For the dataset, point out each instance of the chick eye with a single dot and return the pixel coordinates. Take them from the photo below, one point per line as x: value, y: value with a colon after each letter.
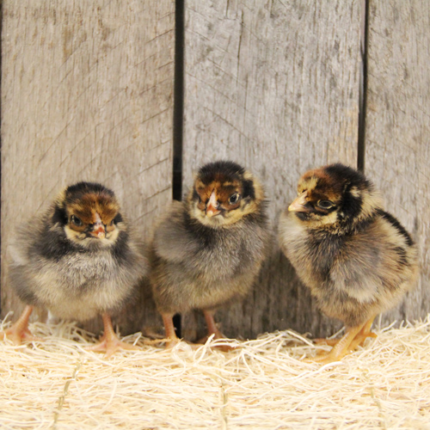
x: 75, y: 220
x: 116, y: 220
x: 234, y: 198
x: 325, y: 204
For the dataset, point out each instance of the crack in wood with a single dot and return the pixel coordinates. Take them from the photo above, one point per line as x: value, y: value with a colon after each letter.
x: 178, y: 100
x: 361, y: 141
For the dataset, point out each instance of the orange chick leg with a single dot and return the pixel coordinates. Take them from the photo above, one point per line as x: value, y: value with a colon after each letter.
x: 214, y: 330
x: 341, y: 348
x: 358, y: 341
x: 363, y: 335
x: 109, y: 342
x: 169, y: 328
x: 19, y: 331
x: 211, y: 325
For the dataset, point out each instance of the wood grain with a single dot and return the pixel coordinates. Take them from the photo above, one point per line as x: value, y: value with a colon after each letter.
x: 397, y: 155
x: 87, y: 94
x: 274, y: 86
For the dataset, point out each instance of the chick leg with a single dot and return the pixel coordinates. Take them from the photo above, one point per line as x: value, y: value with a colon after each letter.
x: 363, y: 335
x: 109, y: 342
x: 19, y: 331
x: 214, y: 330
x: 211, y: 325
x: 169, y: 328
x: 342, y: 347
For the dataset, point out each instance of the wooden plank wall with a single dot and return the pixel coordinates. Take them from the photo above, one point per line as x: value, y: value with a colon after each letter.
x: 274, y: 86
x: 398, y: 126
x: 87, y: 94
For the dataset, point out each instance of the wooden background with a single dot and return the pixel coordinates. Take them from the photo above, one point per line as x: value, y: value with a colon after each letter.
x: 87, y: 94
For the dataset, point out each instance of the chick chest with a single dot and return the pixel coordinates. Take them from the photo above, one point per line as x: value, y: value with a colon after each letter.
x: 223, y: 253
x: 196, y: 266
x: 81, y: 285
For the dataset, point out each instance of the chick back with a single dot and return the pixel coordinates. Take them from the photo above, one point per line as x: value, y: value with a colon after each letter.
x: 357, y: 275
x: 198, y: 267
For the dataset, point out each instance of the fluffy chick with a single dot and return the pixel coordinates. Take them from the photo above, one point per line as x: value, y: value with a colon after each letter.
x: 78, y: 260
x: 209, y: 249
x: 357, y: 259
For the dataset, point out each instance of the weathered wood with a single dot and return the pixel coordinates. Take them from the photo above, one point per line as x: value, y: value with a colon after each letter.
x: 87, y: 94
x: 273, y: 85
x: 397, y: 155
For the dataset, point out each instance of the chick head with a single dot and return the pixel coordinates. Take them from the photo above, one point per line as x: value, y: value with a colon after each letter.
x: 334, y: 196
x: 89, y: 214
x: 223, y: 194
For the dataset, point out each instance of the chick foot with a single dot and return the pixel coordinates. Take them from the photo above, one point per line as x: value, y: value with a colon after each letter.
x: 363, y: 335
x: 170, y: 342
x: 18, y: 337
x: 109, y: 342
x: 342, y: 347
x: 213, y: 330
x: 19, y: 332
x: 171, y: 339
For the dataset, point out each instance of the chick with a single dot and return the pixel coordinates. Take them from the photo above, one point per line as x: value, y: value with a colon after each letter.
x: 78, y: 260
x: 208, y: 250
x: 357, y: 259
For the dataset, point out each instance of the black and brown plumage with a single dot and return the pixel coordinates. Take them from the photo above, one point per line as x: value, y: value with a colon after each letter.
x: 355, y: 257
x: 78, y: 260
x: 207, y: 250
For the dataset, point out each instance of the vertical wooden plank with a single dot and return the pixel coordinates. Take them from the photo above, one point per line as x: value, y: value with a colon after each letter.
x: 274, y: 86
x: 398, y: 127
x: 87, y: 94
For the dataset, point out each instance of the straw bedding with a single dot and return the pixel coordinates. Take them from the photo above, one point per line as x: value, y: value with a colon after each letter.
x: 261, y: 385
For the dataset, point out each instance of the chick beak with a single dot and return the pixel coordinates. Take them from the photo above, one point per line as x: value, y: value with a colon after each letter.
x: 298, y: 205
x: 212, y: 205
x: 98, y: 229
